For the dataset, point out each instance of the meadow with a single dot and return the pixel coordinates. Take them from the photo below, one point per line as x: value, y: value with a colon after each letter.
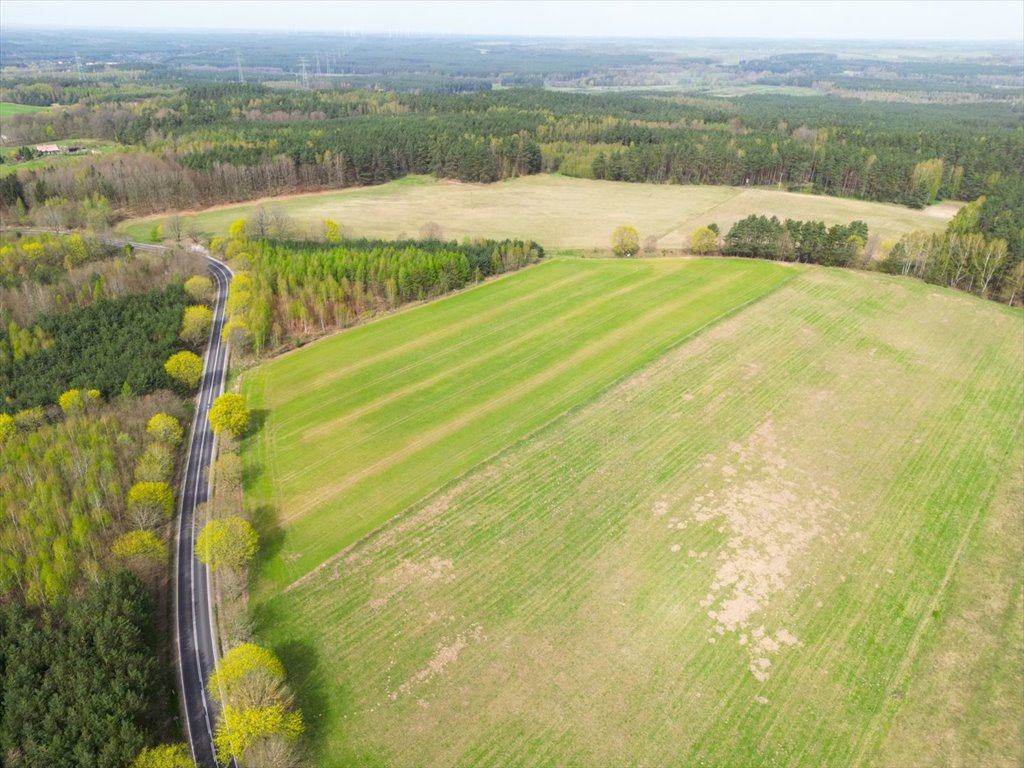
x: 560, y: 212
x: 667, y: 512
x: 10, y: 109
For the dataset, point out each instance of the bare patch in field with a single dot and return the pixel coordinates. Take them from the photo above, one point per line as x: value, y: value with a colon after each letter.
x: 410, y: 572
x: 444, y: 656
x: 772, y: 514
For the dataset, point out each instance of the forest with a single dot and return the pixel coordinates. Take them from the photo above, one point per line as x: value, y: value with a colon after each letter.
x: 212, y: 143
x: 88, y: 462
x: 113, y: 345
x: 81, y: 687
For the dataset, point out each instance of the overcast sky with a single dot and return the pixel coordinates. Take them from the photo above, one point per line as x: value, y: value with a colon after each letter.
x: 828, y: 19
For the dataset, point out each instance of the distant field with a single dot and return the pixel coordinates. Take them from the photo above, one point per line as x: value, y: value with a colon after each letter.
x: 363, y: 424
x: 9, y: 109
x: 92, y: 148
x: 792, y: 539
x: 730, y: 91
x: 560, y: 212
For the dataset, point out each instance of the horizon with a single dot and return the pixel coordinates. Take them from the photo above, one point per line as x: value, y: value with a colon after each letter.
x: 979, y: 21
x: 396, y: 35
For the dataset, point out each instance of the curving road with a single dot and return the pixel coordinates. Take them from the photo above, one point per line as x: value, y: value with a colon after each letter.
x: 193, y: 624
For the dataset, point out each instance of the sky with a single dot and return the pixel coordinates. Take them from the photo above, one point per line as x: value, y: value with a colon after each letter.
x: 808, y: 19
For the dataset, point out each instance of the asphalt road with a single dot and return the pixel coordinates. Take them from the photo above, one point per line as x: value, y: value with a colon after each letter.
x: 194, y: 636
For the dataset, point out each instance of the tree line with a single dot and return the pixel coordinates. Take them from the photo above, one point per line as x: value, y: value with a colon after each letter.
x: 220, y: 142
x: 810, y: 242
x: 290, y: 289
x: 963, y: 257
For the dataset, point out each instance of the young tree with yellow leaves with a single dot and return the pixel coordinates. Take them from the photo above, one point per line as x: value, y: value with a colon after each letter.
x: 185, y: 368
x: 228, y: 543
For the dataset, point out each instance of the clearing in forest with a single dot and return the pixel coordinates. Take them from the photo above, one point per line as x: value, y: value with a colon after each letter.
x: 792, y: 539
x: 559, y: 212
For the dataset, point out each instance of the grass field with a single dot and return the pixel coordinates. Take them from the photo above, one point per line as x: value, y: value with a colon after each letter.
x: 792, y: 539
x: 9, y: 109
x: 363, y: 424
x: 560, y: 212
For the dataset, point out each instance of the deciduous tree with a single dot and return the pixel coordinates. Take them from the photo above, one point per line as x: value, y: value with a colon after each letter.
x: 156, y: 464
x: 30, y: 419
x: 703, y: 241
x: 227, y: 543
x: 227, y: 473
x: 185, y: 367
x: 196, y: 324
x: 238, y: 729
x: 200, y: 288
x: 139, y: 545
x: 165, y: 428
x: 150, y: 504
x: 431, y: 231
x: 249, y: 676
x: 76, y: 401
x: 164, y: 756
x: 625, y: 241
x: 8, y: 428
x: 229, y: 414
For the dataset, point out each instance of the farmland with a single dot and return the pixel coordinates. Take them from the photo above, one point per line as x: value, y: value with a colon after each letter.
x: 763, y: 543
x: 560, y: 212
x: 363, y: 424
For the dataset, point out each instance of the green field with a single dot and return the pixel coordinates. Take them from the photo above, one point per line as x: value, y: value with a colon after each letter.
x: 791, y: 539
x: 559, y: 212
x: 362, y: 424
x: 9, y: 109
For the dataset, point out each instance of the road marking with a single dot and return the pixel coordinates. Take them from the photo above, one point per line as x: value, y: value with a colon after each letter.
x: 213, y: 381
